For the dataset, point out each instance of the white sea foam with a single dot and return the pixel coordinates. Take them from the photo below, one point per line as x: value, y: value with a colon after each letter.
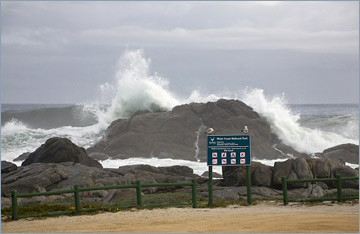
x: 17, y: 138
x: 198, y: 167
x: 353, y: 166
x: 285, y: 124
x: 135, y: 89
x: 269, y: 162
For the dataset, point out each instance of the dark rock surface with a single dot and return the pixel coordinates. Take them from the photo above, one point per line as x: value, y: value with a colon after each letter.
x: 345, y: 152
x: 43, y: 177
x: 236, y: 175
x: 293, y: 169
x: 7, y: 167
x: 57, y: 150
x: 173, y: 134
x: 22, y: 157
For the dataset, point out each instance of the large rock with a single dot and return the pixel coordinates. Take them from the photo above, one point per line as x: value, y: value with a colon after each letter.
x: 177, y: 133
x: 324, y: 167
x: 57, y: 150
x: 293, y: 169
x: 345, y: 152
x: 236, y: 175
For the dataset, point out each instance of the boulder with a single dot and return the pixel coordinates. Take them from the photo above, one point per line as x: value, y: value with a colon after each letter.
x: 261, y: 175
x: 7, y: 167
x: 313, y: 190
x: 236, y: 175
x: 323, y: 168
x: 302, y: 169
x: 283, y: 169
x: 179, y: 133
x: 345, y: 152
x: 347, y: 172
x: 215, y: 175
x: 57, y: 150
x: 22, y: 157
x: 292, y: 169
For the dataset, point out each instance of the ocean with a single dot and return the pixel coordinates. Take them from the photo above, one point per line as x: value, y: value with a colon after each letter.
x: 307, y: 128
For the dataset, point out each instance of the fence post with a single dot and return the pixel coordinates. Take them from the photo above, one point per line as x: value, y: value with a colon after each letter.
x: 284, y: 187
x: 14, y: 213
x: 339, y: 187
x: 194, y: 199
x: 138, y: 194
x: 77, y: 198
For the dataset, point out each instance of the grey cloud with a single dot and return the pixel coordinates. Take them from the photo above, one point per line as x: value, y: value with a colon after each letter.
x: 277, y: 46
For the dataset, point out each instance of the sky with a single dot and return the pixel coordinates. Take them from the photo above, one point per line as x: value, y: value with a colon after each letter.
x: 61, y: 52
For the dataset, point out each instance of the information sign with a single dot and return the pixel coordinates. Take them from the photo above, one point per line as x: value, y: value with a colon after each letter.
x: 231, y: 150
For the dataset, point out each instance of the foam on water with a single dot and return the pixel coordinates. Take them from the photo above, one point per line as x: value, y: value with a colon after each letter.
x: 135, y: 89
x: 17, y: 138
x: 285, y: 124
x: 198, y: 167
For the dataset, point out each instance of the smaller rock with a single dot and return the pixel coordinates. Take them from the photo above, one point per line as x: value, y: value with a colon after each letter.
x: 313, y: 191
x: 7, y: 167
x: 56, y: 150
x: 347, y: 152
x: 22, y: 157
x: 215, y: 175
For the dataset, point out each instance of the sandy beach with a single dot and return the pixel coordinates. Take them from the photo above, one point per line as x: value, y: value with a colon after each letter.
x: 261, y: 218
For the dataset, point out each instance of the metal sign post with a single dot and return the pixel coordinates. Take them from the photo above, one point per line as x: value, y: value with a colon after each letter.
x: 233, y: 150
x: 210, y: 187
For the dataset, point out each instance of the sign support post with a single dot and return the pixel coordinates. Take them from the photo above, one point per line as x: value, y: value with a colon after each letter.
x: 210, y: 204
x: 248, y: 184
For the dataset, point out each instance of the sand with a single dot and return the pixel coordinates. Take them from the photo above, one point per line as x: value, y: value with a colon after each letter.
x: 261, y: 218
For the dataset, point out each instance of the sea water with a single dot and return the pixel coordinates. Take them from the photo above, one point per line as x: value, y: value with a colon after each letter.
x: 307, y: 128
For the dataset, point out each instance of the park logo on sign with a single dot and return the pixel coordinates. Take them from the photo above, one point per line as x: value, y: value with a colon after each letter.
x: 233, y: 161
x: 214, y: 155
x: 233, y: 154
x: 223, y: 154
x: 223, y: 161
x: 214, y: 161
x: 242, y: 154
x: 242, y: 161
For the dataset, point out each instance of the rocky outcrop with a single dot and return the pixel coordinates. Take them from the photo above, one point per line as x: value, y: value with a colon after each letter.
x: 57, y: 150
x: 293, y: 169
x: 43, y: 177
x: 343, y: 153
x: 177, y: 133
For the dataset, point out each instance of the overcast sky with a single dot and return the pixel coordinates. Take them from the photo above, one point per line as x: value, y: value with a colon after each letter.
x: 61, y: 52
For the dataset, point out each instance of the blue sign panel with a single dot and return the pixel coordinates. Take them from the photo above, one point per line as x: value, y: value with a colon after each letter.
x: 229, y: 150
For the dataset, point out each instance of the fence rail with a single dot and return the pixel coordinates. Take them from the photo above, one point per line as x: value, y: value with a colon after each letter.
x: 76, y: 190
x: 338, y: 180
